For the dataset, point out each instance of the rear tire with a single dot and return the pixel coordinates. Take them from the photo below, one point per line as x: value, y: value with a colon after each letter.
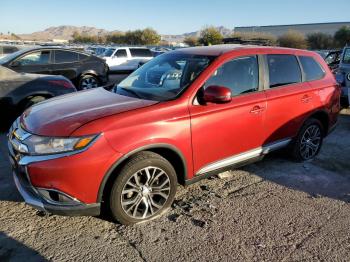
x: 88, y: 82
x: 309, y: 140
x: 144, y: 189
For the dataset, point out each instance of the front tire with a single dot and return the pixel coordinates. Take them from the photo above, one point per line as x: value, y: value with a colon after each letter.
x: 308, y: 143
x: 144, y: 189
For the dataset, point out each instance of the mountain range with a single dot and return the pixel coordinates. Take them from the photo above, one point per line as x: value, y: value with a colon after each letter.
x: 66, y: 31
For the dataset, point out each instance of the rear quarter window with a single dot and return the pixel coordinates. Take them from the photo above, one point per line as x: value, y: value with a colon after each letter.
x: 283, y: 70
x: 312, y: 69
x: 140, y: 52
x: 65, y: 56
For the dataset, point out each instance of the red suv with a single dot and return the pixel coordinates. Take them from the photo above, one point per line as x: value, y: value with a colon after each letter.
x: 179, y: 118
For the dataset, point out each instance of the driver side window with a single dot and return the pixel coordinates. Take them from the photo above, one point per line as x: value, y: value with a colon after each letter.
x: 241, y: 75
x: 35, y: 58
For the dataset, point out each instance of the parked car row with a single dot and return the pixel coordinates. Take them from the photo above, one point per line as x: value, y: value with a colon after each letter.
x: 84, y: 70
x: 181, y: 117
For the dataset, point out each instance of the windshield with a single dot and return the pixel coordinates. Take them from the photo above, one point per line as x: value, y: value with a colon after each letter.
x: 164, y: 77
x: 109, y: 52
x: 346, y: 57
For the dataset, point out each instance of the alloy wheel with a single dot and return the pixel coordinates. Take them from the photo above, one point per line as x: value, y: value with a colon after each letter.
x: 145, y: 193
x: 88, y: 83
x: 310, y: 142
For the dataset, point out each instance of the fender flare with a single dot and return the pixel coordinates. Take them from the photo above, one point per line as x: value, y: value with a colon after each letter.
x: 126, y: 156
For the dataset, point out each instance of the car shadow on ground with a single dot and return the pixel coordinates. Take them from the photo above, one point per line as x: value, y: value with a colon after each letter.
x: 12, y: 250
x: 327, y: 175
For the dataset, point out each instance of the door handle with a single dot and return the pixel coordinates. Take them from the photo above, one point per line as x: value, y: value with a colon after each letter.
x: 256, y: 110
x: 306, y: 99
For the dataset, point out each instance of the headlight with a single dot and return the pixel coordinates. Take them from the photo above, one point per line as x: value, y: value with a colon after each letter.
x: 39, y: 145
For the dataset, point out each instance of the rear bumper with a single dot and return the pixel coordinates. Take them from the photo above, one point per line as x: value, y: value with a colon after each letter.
x: 33, y: 198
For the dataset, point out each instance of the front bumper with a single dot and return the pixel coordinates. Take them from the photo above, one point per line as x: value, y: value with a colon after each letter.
x: 33, y: 196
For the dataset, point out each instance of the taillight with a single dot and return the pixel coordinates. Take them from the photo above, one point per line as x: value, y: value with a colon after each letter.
x: 63, y: 83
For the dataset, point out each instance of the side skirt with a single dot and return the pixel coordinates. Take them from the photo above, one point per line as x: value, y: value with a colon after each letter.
x: 239, y: 160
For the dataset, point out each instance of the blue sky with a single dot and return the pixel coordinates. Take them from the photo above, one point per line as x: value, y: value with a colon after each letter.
x: 167, y: 17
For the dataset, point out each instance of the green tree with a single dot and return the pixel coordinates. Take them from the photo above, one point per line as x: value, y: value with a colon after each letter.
x: 293, y: 39
x: 320, y: 41
x: 342, y: 36
x: 191, y: 41
x: 210, y: 36
x: 150, y: 37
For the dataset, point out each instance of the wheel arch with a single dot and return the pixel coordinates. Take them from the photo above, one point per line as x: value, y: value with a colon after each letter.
x: 169, y: 152
x: 323, y: 117
x: 21, y: 102
x: 88, y: 72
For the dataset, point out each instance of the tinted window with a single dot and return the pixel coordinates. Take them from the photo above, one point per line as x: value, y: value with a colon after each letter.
x: 312, y: 69
x: 9, y: 49
x: 346, y: 57
x: 241, y: 75
x: 65, y: 56
x: 140, y: 52
x: 36, y: 58
x: 121, y: 53
x: 283, y: 70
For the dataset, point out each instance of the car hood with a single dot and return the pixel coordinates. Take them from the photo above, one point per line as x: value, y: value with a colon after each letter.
x: 60, y: 116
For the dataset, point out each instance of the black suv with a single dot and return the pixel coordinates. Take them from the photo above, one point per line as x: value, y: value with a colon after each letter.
x: 84, y: 70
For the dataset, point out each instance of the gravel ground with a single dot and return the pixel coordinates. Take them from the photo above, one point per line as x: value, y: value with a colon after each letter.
x: 274, y: 210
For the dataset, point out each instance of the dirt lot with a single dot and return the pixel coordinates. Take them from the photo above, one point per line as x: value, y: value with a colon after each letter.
x: 274, y: 210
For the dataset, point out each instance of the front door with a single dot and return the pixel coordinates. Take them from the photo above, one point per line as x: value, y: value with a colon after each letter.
x: 119, y: 60
x: 37, y: 62
x: 226, y: 133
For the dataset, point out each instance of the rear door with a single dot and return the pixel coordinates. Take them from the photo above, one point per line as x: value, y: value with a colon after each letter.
x: 220, y: 132
x: 288, y: 99
x: 66, y: 63
x: 38, y: 62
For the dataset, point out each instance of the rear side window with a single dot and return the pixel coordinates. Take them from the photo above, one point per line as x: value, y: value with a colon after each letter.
x: 65, y: 56
x: 283, y: 70
x: 312, y: 69
x: 140, y: 52
x: 121, y: 53
x: 241, y: 75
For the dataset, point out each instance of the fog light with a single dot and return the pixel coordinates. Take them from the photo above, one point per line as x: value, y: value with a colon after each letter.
x: 56, y: 197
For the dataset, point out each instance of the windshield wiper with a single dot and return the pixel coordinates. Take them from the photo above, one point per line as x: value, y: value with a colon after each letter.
x: 130, y: 91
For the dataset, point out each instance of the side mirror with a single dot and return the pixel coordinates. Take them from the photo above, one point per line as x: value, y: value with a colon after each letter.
x: 217, y: 94
x: 15, y: 64
x: 340, y: 78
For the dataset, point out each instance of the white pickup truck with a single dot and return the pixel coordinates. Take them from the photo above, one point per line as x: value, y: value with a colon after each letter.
x: 126, y: 58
